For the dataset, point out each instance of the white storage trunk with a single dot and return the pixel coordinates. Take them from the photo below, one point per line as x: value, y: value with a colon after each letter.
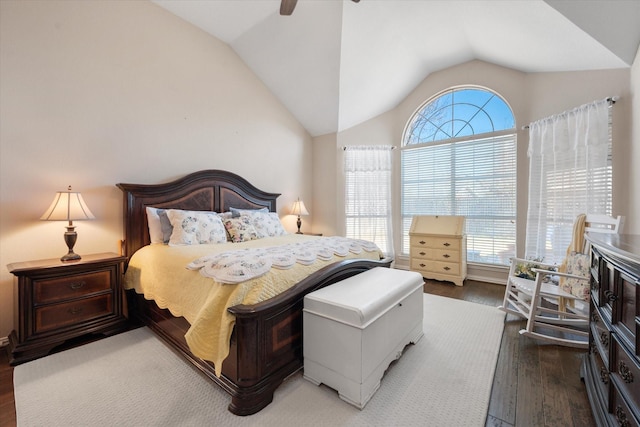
x: 355, y: 328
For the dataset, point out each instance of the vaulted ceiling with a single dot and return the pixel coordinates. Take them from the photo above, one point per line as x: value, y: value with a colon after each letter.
x: 336, y: 63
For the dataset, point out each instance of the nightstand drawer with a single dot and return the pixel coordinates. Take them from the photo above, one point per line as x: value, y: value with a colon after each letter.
x: 69, y: 313
x: 63, y: 288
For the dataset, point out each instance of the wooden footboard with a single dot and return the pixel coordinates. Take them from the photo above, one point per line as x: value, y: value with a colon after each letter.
x: 266, y: 344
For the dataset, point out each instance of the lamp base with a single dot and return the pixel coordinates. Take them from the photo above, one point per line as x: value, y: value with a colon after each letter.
x: 70, y: 238
x: 71, y: 256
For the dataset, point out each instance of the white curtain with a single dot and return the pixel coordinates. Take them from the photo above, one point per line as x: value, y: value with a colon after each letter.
x: 367, y: 172
x: 569, y: 174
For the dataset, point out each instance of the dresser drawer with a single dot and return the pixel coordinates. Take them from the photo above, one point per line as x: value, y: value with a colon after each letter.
x: 436, y: 242
x: 626, y: 371
x: 446, y: 268
x: 621, y: 411
x: 600, y: 331
x: 73, y: 312
x: 422, y: 252
x: 602, y: 377
x: 447, y: 255
x: 68, y: 287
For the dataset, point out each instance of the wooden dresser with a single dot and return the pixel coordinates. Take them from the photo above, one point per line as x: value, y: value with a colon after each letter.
x: 58, y: 301
x: 439, y: 247
x: 611, y: 368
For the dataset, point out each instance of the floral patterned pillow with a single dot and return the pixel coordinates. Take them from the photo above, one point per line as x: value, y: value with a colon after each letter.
x: 240, y: 229
x: 195, y: 228
x: 577, y: 264
x: 266, y: 224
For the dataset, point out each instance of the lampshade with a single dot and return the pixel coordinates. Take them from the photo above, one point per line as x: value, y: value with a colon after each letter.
x: 299, y: 208
x: 67, y: 206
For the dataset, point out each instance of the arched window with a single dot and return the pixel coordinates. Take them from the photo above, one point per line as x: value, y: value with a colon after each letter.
x: 459, y: 158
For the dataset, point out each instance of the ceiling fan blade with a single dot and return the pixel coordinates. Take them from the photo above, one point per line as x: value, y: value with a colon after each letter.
x: 287, y: 6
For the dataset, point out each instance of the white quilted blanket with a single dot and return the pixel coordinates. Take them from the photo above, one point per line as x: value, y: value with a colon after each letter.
x: 237, y: 266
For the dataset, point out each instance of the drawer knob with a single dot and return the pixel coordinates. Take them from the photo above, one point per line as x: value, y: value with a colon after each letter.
x: 625, y: 372
x: 446, y: 256
x: 74, y: 311
x: 422, y: 242
x: 447, y: 244
x: 446, y: 268
x: 604, y: 375
x: 422, y: 253
x: 77, y: 285
x: 610, y: 295
x: 621, y: 417
x: 422, y: 265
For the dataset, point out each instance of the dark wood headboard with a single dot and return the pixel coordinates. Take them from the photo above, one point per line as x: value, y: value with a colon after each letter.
x: 207, y: 190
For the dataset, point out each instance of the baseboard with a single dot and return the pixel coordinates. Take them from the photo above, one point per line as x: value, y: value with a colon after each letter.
x: 478, y: 272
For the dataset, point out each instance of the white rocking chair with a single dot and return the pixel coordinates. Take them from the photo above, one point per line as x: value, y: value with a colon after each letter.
x: 557, y: 313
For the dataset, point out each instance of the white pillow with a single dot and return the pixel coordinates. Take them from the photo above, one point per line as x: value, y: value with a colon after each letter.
x: 159, y: 226
x: 267, y: 224
x: 195, y: 227
x: 236, y: 212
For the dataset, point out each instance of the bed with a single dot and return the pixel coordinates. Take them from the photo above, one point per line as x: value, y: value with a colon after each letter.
x: 266, y: 341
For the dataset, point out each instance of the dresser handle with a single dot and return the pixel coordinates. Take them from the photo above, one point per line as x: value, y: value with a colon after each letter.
x: 422, y: 242
x: 446, y: 268
x: 446, y: 256
x: 604, y: 339
x: 422, y: 265
x: 621, y: 417
x: 625, y: 372
x: 422, y: 253
x: 77, y: 285
x: 447, y: 244
x: 604, y: 375
x: 74, y: 311
x: 610, y: 295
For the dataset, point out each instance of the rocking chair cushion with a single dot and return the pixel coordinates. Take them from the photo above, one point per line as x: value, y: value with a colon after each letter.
x: 577, y: 264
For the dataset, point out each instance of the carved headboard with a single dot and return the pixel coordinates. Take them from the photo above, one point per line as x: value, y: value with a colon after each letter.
x: 207, y: 190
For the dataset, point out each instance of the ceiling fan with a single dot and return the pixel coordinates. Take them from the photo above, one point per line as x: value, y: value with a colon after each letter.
x: 287, y: 6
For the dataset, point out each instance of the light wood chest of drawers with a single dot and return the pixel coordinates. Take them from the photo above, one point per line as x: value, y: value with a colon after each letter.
x: 439, y: 247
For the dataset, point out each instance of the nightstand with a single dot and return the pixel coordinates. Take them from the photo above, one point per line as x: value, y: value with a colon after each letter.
x: 57, y: 301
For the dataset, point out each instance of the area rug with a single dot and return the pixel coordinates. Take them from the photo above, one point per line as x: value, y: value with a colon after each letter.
x: 133, y: 379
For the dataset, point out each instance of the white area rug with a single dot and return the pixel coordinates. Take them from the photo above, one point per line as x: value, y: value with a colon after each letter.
x: 133, y: 379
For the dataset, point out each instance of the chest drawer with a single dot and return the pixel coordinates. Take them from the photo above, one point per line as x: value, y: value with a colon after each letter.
x: 436, y: 242
x: 621, y: 411
x: 64, y: 288
x: 626, y: 371
x: 446, y: 255
x: 73, y: 312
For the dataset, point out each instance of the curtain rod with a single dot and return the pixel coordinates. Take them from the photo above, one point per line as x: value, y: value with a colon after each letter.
x: 344, y: 147
x: 611, y: 100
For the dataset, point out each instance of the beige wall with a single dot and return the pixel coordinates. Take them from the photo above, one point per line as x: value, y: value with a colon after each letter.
x: 531, y: 97
x: 96, y: 93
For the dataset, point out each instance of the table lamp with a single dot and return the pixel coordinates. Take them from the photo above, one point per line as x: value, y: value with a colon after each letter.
x: 299, y: 209
x: 68, y: 206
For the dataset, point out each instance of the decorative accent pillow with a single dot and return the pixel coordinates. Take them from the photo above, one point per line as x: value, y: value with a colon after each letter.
x: 195, y: 228
x: 525, y: 269
x: 240, y: 229
x: 160, y: 227
x: 235, y: 212
x: 267, y: 224
x: 577, y: 264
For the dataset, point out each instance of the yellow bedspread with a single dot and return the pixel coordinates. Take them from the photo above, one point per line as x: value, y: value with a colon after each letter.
x: 159, y: 272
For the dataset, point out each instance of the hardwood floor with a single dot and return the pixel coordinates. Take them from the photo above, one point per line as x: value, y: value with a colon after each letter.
x: 534, y: 385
